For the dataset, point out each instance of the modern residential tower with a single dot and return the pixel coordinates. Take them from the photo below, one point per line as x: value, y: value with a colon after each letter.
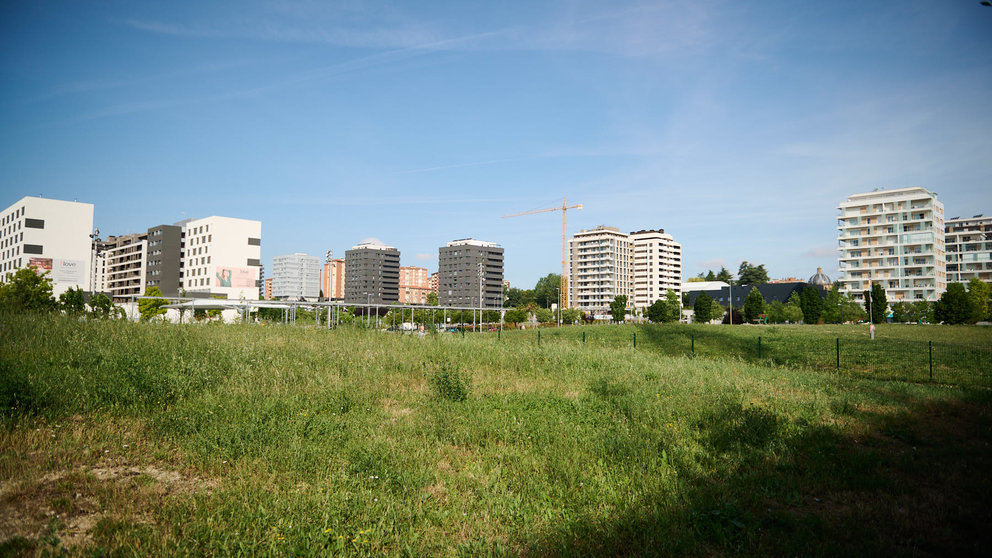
x: 893, y: 238
x: 969, y: 249
x: 373, y: 275
x: 295, y: 277
x: 470, y: 274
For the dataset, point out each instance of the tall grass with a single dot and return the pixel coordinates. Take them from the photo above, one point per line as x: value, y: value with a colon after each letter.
x: 367, y: 443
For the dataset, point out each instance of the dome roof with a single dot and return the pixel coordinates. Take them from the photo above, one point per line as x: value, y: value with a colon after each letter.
x: 820, y: 278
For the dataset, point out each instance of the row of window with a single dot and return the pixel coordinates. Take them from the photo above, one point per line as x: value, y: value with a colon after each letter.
x: 11, y: 216
x: 8, y: 241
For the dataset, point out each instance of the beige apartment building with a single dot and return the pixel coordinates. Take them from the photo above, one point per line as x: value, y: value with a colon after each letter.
x: 414, y: 285
x: 894, y: 238
x: 605, y: 263
x: 657, y: 266
x: 969, y: 249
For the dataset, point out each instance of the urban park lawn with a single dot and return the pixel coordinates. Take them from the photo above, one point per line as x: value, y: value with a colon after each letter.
x: 156, y: 439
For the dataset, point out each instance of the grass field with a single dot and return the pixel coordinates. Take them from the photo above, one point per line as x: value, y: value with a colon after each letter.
x: 157, y: 439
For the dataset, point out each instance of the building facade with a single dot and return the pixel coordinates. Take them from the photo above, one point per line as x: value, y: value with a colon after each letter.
x: 267, y: 289
x: 893, y: 238
x: 165, y: 254
x: 433, y: 282
x: 373, y: 275
x: 470, y: 274
x: 125, y: 266
x: 414, y: 285
x: 222, y: 257
x: 333, y: 279
x: 295, y: 277
x: 657, y: 266
x: 969, y: 249
x: 599, y: 268
x: 54, y: 236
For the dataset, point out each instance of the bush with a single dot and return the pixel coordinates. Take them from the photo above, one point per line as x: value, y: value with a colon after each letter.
x: 450, y: 384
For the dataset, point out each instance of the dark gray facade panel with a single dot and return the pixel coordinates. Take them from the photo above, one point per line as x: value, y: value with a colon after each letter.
x: 254, y: 262
x: 459, y: 276
x: 254, y: 242
x: 163, y: 259
x: 372, y: 276
x: 33, y: 249
x: 34, y: 223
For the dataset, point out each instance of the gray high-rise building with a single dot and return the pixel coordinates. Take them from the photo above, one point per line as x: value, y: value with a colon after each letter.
x: 470, y: 273
x: 373, y: 274
x: 295, y: 277
x: 164, y: 259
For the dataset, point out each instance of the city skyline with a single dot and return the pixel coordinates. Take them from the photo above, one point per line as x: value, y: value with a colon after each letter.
x: 736, y: 128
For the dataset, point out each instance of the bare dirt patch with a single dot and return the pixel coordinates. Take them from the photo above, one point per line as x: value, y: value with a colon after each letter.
x: 69, y: 503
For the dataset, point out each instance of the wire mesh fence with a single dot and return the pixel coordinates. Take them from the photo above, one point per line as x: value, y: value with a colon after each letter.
x: 917, y: 360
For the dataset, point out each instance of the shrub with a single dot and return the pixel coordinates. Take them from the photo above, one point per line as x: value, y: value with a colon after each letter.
x: 450, y: 384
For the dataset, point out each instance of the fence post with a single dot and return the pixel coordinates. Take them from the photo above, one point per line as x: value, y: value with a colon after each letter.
x: 463, y: 332
x: 538, y: 338
x: 930, y: 343
x: 635, y: 340
x: 499, y: 333
x: 583, y: 337
x: 838, y: 354
x: 759, y: 346
x: 692, y: 337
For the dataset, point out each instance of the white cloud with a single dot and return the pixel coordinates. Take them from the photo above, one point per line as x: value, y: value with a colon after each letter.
x: 425, y: 257
x: 823, y: 251
x: 715, y: 264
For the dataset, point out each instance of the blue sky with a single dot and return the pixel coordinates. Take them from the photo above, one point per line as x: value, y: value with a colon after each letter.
x: 736, y: 126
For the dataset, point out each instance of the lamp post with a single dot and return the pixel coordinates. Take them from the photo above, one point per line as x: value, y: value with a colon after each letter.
x: 558, y: 296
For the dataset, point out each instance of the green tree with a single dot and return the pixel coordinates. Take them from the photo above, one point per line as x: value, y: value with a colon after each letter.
x: 754, y: 305
x: 702, y: 309
x: 546, y: 290
x: 979, y: 292
x: 516, y: 298
x: 432, y: 299
x: 656, y: 312
x: 618, y: 308
x: 876, y: 297
x: 570, y: 315
x: 151, y: 307
x: 72, y: 301
x: 751, y: 274
x: 27, y: 291
x: 515, y: 316
x: 954, y: 306
x: 832, y: 306
x: 544, y: 315
x: 792, y: 312
x: 920, y: 311
x: 710, y: 276
x: 724, y: 276
x: 101, y: 306
x: 900, y: 312
x: 811, y: 303
x: 776, y: 312
x: 673, y: 306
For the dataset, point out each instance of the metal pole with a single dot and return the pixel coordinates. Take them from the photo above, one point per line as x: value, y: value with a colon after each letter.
x: 692, y: 338
x: 583, y: 337
x: 538, y: 338
x: 930, y: 344
x: 635, y: 340
x: 759, y: 346
x: 838, y: 354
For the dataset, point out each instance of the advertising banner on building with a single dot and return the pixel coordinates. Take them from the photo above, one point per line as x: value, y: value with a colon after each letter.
x: 238, y: 277
x: 61, y: 271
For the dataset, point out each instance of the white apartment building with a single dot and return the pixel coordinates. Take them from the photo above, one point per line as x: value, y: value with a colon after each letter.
x: 893, y: 238
x: 599, y: 268
x: 657, y: 266
x: 125, y: 263
x: 969, y: 249
x: 222, y: 256
x: 296, y: 276
x: 51, y: 235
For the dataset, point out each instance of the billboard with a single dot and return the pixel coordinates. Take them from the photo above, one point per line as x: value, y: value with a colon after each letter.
x: 237, y: 277
x: 62, y: 271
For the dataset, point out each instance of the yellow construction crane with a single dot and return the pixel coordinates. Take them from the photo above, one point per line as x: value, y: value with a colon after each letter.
x: 563, y: 292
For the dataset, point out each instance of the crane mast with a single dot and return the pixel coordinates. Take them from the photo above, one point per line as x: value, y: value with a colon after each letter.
x: 563, y: 291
